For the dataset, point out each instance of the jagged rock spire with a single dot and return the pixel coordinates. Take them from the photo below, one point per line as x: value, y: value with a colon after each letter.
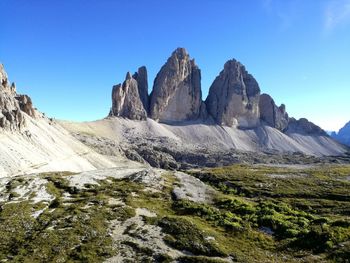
x: 126, y: 99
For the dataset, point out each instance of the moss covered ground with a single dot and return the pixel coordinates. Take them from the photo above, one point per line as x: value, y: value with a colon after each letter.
x: 258, y: 214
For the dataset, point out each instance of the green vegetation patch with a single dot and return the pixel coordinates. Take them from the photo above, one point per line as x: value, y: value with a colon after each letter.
x: 74, y: 227
x: 259, y: 214
x: 303, y: 209
x: 186, y: 236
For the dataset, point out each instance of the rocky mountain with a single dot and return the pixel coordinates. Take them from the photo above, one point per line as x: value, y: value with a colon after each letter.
x: 304, y: 126
x: 233, y: 98
x: 12, y: 105
x: 177, y: 94
x: 170, y: 128
x: 273, y: 115
x: 30, y: 142
x: 179, y: 127
x: 343, y: 136
x: 142, y: 84
x: 126, y: 98
x: 93, y: 191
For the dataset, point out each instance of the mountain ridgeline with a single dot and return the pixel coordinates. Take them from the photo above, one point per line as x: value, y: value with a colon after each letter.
x: 234, y: 99
x: 343, y: 135
x: 170, y: 128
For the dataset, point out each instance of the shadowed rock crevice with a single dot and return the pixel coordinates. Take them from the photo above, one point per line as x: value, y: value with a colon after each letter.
x: 142, y: 84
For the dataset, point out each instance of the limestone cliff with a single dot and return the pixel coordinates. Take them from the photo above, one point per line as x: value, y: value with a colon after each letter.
x: 233, y: 98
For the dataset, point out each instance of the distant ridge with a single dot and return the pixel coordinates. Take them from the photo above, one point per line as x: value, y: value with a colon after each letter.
x: 343, y: 135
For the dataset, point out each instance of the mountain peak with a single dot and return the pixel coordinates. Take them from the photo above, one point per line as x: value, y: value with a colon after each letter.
x: 128, y: 97
x: 177, y: 94
x: 180, y: 52
x: 234, y: 97
x: 128, y: 75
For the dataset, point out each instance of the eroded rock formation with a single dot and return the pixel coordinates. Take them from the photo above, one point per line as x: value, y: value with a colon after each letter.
x: 234, y: 97
x: 12, y: 105
x: 177, y: 94
x: 142, y: 84
x: 304, y: 126
x: 126, y: 100
x: 273, y: 115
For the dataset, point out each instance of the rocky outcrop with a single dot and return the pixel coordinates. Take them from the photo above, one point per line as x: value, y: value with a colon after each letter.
x: 271, y: 114
x: 234, y: 97
x: 343, y: 136
x: 26, y: 105
x: 12, y: 105
x: 177, y: 94
x: 126, y: 100
x: 304, y: 126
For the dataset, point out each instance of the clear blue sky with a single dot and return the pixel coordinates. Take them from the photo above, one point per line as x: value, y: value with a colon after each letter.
x: 67, y: 54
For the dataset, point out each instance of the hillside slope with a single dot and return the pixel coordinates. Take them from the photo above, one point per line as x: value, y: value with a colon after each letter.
x: 212, y: 138
x: 46, y: 146
x: 30, y: 142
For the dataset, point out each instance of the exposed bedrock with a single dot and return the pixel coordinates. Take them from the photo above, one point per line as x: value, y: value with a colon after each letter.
x: 177, y: 94
x: 12, y: 105
x: 126, y: 99
x: 271, y: 114
x: 233, y: 98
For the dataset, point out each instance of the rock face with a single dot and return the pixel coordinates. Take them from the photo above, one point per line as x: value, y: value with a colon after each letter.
x: 273, y: 115
x: 343, y: 135
x: 304, y: 126
x: 12, y: 105
x: 126, y: 100
x: 177, y: 94
x: 142, y: 84
x: 234, y: 97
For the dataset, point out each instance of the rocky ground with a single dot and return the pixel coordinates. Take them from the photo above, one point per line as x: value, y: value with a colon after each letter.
x: 241, y: 213
x: 166, y: 153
